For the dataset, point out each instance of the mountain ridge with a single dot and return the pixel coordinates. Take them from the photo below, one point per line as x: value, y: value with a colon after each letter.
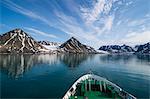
x: 74, y: 46
x: 18, y: 41
x: 125, y: 49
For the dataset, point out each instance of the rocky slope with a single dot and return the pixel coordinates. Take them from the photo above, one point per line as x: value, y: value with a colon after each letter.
x: 117, y: 49
x: 74, y: 46
x: 138, y: 49
x: 143, y: 49
x: 17, y: 41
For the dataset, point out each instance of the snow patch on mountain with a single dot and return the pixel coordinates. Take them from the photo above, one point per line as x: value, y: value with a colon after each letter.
x: 74, y: 46
x: 125, y: 49
x: 53, y: 46
x: 17, y: 41
x: 117, y: 49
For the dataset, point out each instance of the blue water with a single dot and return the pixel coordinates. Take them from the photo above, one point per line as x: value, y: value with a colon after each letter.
x: 50, y: 76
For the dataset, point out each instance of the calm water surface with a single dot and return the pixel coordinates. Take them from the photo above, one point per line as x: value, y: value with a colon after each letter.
x: 50, y: 76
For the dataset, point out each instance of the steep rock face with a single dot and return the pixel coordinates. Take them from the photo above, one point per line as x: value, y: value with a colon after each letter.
x: 143, y: 49
x: 74, y: 46
x: 17, y: 41
x: 126, y: 48
x: 117, y: 49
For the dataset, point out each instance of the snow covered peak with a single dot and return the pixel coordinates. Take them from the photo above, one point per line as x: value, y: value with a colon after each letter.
x: 73, y: 38
x: 74, y: 46
x: 17, y: 30
x: 17, y: 41
x: 143, y: 49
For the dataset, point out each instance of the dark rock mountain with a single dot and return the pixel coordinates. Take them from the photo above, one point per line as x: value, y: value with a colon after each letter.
x: 143, y: 49
x: 117, y: 49
x: 126, y: 48
x: 74, y: 46
x: 138, y: 49
x: 17, y: 41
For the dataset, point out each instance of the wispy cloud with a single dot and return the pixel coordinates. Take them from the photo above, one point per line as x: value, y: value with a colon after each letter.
x: 132, y: 39
x: 91, y: 15
x: 138, y: 22
x: 71, y: 26
x: 136, y: 38
x: 26, y: 12
x: 40, y: 32
x: 99, y: 19
x: 100, y: 7
x: 131, y: 34
x: 109, y: 22
x: 89, y: 32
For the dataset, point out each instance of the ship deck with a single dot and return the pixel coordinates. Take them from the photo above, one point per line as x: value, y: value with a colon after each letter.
x: 92, y: 89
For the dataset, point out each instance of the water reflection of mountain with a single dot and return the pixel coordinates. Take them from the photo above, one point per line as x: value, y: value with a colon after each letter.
x: 74, y: 60
x: 48, y: 58
x: 17, y: 65
x: 144, y: 58
x: 125, y: 58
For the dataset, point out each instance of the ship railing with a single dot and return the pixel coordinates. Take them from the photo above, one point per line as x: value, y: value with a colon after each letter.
x: 72, y: 90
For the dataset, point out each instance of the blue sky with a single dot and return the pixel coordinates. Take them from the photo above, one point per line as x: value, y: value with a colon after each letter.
x: 93, y: 22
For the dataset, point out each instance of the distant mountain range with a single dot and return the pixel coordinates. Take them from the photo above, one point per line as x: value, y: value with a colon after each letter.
x: 117, y: 49
x: 18, y: 41
x: 125, y: 49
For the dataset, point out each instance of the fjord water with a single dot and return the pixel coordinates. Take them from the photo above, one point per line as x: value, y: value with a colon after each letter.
x: 50, y: 76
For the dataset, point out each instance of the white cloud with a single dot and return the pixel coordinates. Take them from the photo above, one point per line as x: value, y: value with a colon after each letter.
x: 40, y: 32
x: 131, y: 39
x: 137, y: 38
x: 109, y: 22
x: 98, y: 19
x: 92, y: 15
x: 138, y: 22
x: 119, y: 22
x: 131, y: 34
x: 129, y: 3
